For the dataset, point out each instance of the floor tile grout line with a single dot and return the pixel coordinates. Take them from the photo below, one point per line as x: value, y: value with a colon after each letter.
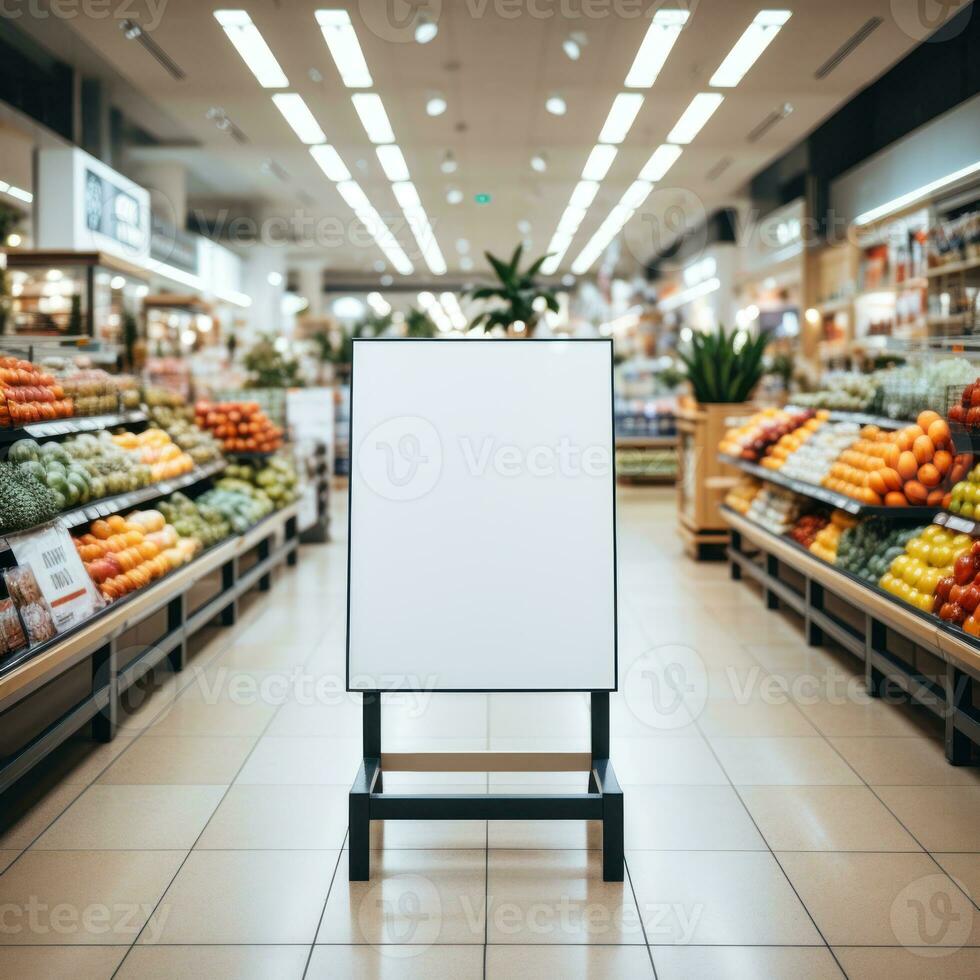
x: 193, y: 672
x: 323, y: 911
x: 871, y: 789
x: 190, y: 851
x: 748, y: 813
x: 643, y: 927
x: 486, y: 885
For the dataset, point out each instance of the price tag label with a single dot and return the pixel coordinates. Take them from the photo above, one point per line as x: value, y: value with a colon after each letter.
x: 59, y: 572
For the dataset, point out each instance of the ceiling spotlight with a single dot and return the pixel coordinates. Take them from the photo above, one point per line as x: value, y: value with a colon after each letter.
x: 573, y: 44
x: 568, y: 280
x: 539, y: 163
x: 449, y: 164
x: 386, y: 280
x: 274, y: 278
x: 454, y: 195
x: 435, y: 105
x: 426, y: 29
x: 379, y: 265
x: 466, y: 263
x: 462, y: 246
x: 524, y: 226
x: 555, y: 104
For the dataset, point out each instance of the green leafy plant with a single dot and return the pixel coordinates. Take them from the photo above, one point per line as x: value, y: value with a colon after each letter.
x: 781, y: 366
x: 418, y: 324
x: 515, y: 292
x: 724, y: 367
x: 268, y: 368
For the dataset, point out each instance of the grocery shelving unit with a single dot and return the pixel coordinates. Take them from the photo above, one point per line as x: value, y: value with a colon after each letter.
x: 838, y: 500
x: 319, y: 533
x: 71, y: 426
x: 932, y: 662
x: 78, y: 677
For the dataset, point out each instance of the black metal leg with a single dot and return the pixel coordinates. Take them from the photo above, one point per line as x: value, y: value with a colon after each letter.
x: 359, y: 823
x: 291, y: 532
x: 772, y: 570
x: 600, y: 724
x: 814, y: 600
x: 612, y: 821
x: 228, y: 575
x: 105, y: 723
x: 176, y: 610
x: 265, y: 581
x: 735, y: 548
x: 875, y: 682
x: 959, y: 698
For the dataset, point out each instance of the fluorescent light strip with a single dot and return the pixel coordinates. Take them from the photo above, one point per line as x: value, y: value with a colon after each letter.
x: 371, y: 111
x: 650, y: 58
x: 393, y: 162
x: 614, y: 223
x: 570, y: 220
x: 328, y: 160
x: 655, y: 47
x: 408, y: 199
x: 250, y: 44
x: 450, y: 304
x: 914, y: 197
x: 234, y: 297
x: 661, y: 160
x: 701, y: 109
x: 338, y: 32
x: 17, y: 192
x: 358, y: 202
x: 584, y: 194
x: 748, y: 48
x: 636, y: 194
x: 174, y: 274
x: 297, y: 113
x: 686, y: 295
x: 599, y: 162
x: 621, y: 115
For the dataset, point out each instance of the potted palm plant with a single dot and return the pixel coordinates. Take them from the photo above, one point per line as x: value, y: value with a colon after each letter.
x: 723, y: 370
x: 516, y: 293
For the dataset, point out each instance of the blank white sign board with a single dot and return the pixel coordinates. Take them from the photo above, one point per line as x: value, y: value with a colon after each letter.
x: 482, y: 516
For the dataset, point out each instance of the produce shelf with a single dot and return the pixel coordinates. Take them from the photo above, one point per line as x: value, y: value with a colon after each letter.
x: 646, y: 442
x: 250, y: 456
x: 862, y: 418
x: 830, y: 497
x: 274, y: 540
x: 71, y: 426
x: 105, y: 506
x: 949, y: 696
x: 952, y: 268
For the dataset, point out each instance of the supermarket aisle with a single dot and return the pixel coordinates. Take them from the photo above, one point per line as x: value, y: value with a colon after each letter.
x: 769, y: 834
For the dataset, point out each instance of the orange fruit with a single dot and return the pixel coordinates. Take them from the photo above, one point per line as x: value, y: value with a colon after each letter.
x: 929, y: 476
x: 942, y: 461
x: 908, y: 465
x: 916, y: 492
x: 895, y: 499
x: 923, y: 449
x: 926, y: 419
x: 891, y: 456
x: 938, y: 432
x: 876, y: 483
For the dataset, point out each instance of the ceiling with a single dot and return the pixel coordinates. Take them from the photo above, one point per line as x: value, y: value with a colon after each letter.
x: 496, y: 71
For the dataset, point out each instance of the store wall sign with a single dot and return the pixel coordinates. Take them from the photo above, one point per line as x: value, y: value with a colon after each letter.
x: 173, y: 246
x: 113, y: 212
x: 84, y: 205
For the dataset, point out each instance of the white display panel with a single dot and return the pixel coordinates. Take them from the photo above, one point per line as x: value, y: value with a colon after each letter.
x: 482, y: 516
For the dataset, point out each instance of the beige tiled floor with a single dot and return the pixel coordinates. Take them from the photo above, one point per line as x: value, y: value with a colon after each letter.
x: 773, y: 829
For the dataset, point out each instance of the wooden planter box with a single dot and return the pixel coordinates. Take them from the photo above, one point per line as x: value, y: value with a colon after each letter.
x: 703, y: 481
